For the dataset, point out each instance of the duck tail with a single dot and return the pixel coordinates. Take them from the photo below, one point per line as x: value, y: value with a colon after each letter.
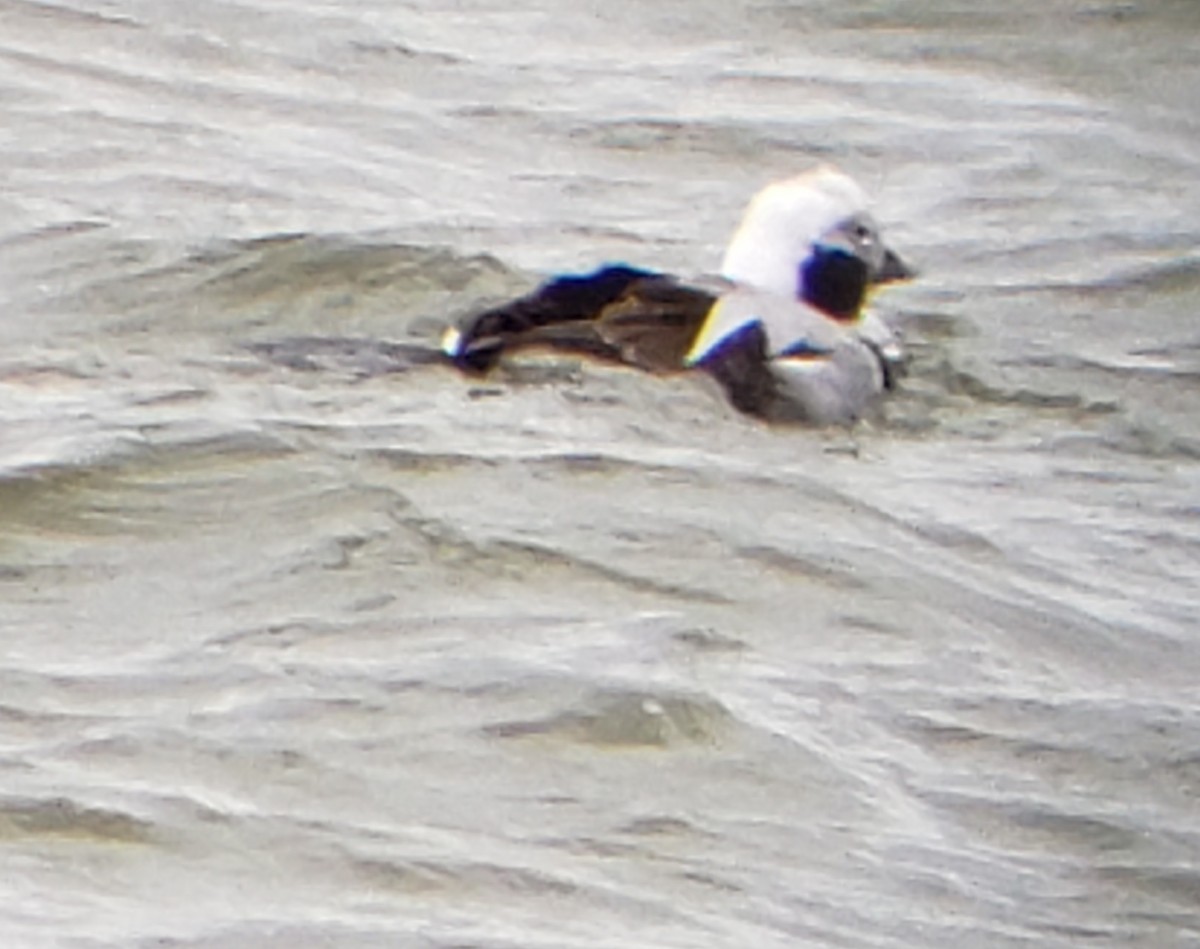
x: 476, y: 344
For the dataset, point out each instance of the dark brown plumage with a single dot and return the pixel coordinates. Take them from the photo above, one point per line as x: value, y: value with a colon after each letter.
x: 617, y: 313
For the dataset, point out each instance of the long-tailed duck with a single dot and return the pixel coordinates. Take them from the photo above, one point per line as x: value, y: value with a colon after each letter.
x: 783, y: 328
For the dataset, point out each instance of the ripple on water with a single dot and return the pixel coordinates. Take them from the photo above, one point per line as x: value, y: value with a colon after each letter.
x: 22, y: 818
x: 311, y: 640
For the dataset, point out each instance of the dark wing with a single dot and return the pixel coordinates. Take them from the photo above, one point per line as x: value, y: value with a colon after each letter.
x: 743, y: 367
x: 654, y: 323
x: 618, y: 313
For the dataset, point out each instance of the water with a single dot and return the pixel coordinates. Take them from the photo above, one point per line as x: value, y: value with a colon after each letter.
x: 310, y: 642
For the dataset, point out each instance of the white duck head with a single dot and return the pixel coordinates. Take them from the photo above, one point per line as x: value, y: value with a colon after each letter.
x: 811, y: 237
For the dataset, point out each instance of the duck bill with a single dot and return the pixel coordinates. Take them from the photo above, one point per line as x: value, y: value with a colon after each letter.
x: 893, y: 269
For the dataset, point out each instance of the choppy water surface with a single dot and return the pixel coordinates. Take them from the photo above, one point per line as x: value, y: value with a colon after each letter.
x: 310, y: 642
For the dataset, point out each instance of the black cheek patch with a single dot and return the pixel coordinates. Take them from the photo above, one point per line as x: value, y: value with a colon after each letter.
x: 835, y: 282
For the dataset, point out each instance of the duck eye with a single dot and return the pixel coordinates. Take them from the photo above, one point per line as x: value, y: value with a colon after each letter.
x: 862, y: 232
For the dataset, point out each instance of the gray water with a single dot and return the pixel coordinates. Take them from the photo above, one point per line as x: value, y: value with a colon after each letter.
x: 310, y: 643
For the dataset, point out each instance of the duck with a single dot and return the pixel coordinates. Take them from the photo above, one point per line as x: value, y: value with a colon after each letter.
x: 783, y: 327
